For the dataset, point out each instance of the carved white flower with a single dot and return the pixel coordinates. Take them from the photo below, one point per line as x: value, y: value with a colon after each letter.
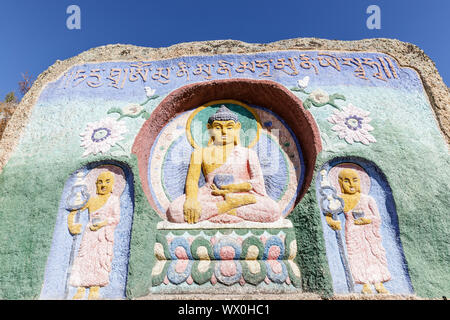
x: 149, y: 92
x: 303, y: 83
x: 352, y: 124
x: 100, y: 136
x: 132, y: 109
x: 319, y: 96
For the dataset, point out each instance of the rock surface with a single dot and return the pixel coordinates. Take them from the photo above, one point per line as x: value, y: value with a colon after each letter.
x: 406, y: 54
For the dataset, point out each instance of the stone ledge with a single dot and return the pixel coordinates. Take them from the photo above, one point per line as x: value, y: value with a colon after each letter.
x: 282, y: 223
x: 278, y: 296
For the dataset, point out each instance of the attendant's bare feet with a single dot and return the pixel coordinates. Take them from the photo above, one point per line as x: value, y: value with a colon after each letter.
x: 380, y: 288
x: 366, y: 289
x: 80, y: 293
x: 94, y: 293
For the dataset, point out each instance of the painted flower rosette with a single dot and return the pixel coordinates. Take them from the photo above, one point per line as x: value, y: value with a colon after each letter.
x: 352, y: 124
x: 100, y: 136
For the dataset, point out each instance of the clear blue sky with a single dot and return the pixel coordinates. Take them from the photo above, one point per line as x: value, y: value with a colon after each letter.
x: 34, y: 34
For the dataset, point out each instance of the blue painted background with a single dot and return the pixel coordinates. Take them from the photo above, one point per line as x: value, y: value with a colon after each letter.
x: 75, y: 87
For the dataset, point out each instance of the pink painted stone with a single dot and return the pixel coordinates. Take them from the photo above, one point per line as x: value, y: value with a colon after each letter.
x: 263, y: 239
x: 180, y: 253
x: 190, y: 240
x: 92, y: 265
x: 275, y: 266
x: 239, y: 240
x: 181, y: 265
x: 189, y: 280
x: 288, y: 280
x: 169, y: 240
x: 227, y: 253
x: 274, y: 253
x: 213, y: 280
x: 212, y: 240
x: 242, y: 281
x: 228, y: 268
x: 266, y: 280
x: 225, y: 218
x: 166, y: 280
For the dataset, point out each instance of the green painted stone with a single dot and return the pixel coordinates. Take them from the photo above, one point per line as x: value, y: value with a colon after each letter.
x: 202, y: 277
x: 249, y: 242
x: 254, y: 278
x: 296, y: 281
x: 199, y: 242
x: 158, y: 279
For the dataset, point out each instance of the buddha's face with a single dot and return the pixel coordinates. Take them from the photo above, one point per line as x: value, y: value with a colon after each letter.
x: 224, y: 132
x: 349, y: 181
x: 105, y: 183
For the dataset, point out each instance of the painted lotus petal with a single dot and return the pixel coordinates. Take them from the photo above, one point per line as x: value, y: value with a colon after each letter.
x: 338, y: 116
x: 364, y: 141
x: 102, y: 148
x: 338, y: 127
x: 371, y: 138
x: 363, y: 131
x: 86, y: 153
x: 333, y: 119
x: 341, y: 135
x: 349, y: 139
x: 366, y: 120
x: 213, y: 280
x: 361, y: 138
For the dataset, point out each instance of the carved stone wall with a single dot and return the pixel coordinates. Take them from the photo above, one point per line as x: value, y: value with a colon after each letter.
x: 378, y: 106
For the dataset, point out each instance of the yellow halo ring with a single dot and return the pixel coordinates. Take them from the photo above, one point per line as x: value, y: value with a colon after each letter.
x: 196, y: 111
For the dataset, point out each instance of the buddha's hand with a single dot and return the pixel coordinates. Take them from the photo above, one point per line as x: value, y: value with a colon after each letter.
x: 362, y: 221
x: 192, y: 210
x: 218, y: 192
x: 98, y: 226
x: 334, y: 224
x: 237, y: 187
x: 75, y: 229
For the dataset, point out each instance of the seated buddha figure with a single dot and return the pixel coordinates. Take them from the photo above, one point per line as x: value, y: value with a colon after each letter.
x: 234, y: 189
x: 365, y: 251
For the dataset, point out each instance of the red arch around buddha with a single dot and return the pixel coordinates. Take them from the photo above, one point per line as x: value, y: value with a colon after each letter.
x: 264, y: 93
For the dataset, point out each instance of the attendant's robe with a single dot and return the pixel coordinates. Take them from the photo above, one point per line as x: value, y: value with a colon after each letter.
x: 365, y: 251
x: 92, y: 265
